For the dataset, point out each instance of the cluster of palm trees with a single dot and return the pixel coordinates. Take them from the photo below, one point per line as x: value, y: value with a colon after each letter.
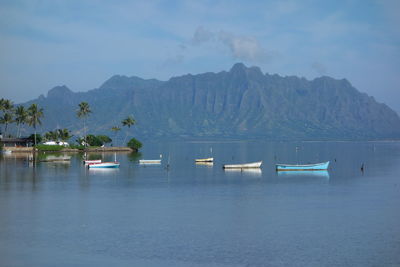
x: 129, y: 121
x: 84, y: 111
x: 58, y: 135
x: 20, y: 115
x: 32, y: 115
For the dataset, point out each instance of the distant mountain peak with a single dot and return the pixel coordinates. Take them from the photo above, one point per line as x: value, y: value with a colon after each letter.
x: 241, y: 103
x: 241, y: 70
x: 59, y: 91
x: 238, y: 67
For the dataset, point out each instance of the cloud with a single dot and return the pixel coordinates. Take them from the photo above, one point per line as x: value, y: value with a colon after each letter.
x: 244, y: 47
x: 241, y: 47
x: 201, y: 35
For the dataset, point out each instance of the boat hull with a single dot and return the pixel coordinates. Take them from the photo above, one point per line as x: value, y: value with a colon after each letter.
x: 103, y: 165
x: 86, y: 162
x: 150, y: 161
x: 243, y: 166
x: 307, y: 167
x: 204, y: 160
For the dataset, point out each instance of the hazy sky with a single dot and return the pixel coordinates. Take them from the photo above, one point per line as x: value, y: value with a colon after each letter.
x: 82, y: 43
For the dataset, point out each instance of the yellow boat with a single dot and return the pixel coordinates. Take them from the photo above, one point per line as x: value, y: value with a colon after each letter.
x: 204, y: 160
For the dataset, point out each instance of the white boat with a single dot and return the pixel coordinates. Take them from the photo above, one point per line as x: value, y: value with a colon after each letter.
x: 243, y: 166
x: 89, y: 161
x: 204, y: 160
x: 150, y: 161
x: 103, y: 165
x: 6, y: 151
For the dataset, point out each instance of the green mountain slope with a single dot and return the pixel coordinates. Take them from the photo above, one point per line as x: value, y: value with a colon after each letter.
x: 240, y: 103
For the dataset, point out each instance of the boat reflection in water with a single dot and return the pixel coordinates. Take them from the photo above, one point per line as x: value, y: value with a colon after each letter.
x: 321, y: 174
x: 207, y: 164
x: 103, y: 171
x: 256, y: 172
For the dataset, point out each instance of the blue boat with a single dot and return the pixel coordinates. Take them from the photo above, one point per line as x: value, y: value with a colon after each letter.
x: 307, y: 167
x: 103, y: 165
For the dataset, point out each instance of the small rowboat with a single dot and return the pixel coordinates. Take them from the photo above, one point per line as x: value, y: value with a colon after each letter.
x: 86, y: 162
x: 243, y: 166
x: 204, y: 160
x: 103, y: 165
x: 150, y: 161
x: 307, y: 167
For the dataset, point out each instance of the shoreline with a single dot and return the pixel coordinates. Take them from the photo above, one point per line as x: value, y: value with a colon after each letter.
x: 72, y: 150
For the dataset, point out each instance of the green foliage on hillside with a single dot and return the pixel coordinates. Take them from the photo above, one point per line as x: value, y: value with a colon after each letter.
x: 241, y: 103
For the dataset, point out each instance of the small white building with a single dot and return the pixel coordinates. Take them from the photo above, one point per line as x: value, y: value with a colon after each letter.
x: 56, y: 143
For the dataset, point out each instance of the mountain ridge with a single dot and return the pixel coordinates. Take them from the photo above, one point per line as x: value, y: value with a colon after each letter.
x: 241, y: 103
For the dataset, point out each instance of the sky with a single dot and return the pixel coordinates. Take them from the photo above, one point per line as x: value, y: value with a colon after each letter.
x: 82, y: 43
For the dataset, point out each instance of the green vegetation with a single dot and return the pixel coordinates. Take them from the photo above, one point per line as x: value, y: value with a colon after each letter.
x: 34, y: 115
x: 80, y: 147
x: 96, y: 141
x: 7, y: 107
x: 134, y: 144
x: 129, y: 121
x: 38, y: 137
x: 104, y: 139
x: 21, y: 117
x: 83, y: 112
x: 42, y: 147
x: 58, y: 135
x: 115, y: 129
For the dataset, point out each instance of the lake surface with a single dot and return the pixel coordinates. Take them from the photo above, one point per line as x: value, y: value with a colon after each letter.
x: 58, y: 214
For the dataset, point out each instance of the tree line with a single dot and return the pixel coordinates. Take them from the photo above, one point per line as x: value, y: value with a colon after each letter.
x: 33, y: 115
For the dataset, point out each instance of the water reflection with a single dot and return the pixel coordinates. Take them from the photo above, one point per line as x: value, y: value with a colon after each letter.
x: 210, y: 215
x: 206, y: 164
x: 256, y: 172
x: 321, y: 174
x: 104, y: 171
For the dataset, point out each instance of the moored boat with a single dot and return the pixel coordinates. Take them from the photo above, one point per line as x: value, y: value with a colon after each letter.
x: 204, y: 160
x: 86, y: 162
x: 304, y: 167
x: 103, y: 165
x: 150, y: 161
x: 243, y: 166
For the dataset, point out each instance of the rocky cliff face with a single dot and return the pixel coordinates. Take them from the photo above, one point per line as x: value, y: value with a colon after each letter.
x: 241, y: 103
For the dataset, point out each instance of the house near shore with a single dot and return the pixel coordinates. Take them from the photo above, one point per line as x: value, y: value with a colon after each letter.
x: 16, y: 142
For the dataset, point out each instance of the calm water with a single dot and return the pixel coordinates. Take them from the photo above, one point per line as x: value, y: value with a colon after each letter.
x: 66, y: 215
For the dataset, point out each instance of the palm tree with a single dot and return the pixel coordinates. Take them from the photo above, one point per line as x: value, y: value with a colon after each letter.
x: 115, y: 129
x: 21, y: 117
x: 34, y: 115
x: 2, y: 104
x: 129, y: 121
x: 7, y: 107
x: 6, y: 119
x: 83, y: 112
x: 49, y: 136
x: 64, y: 134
